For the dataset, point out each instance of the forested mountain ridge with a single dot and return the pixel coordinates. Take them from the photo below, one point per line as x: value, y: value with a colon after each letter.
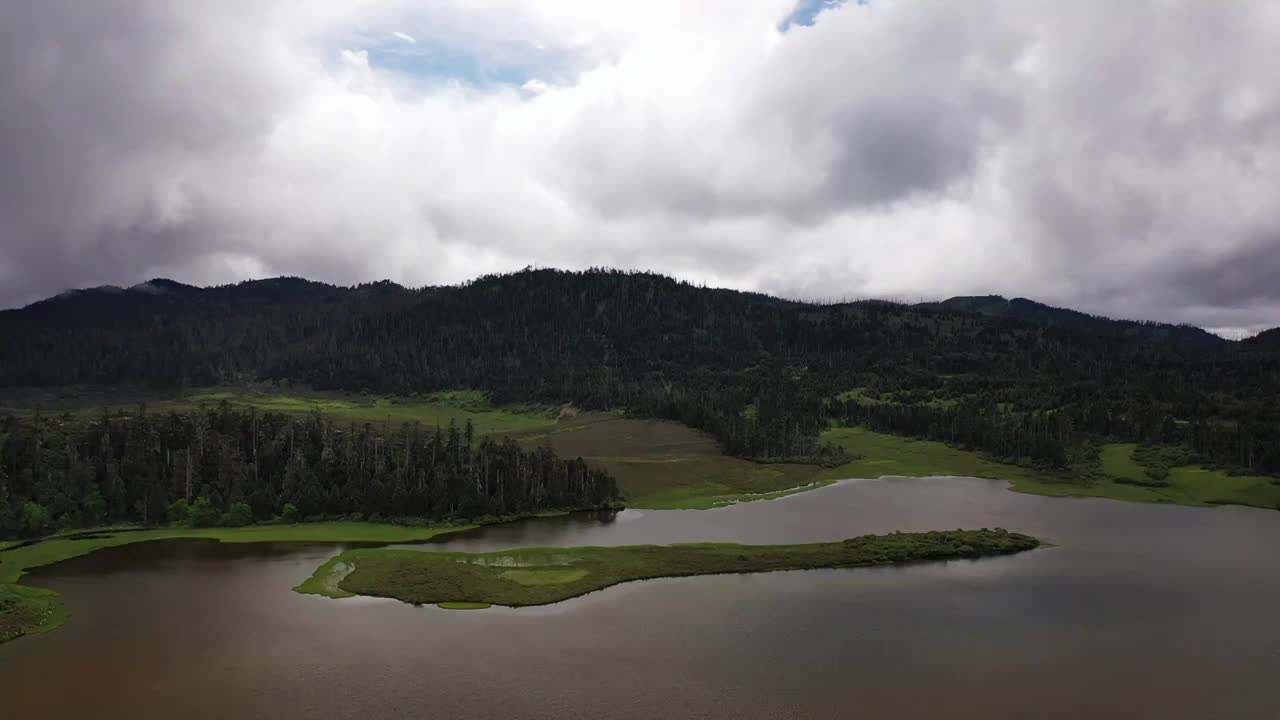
x: 1267, y: 340
x: 763, y: 375
x: 1030, y: 311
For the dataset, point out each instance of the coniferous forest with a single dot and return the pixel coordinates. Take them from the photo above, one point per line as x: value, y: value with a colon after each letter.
x: 763, y: 376
x: 233, y: 467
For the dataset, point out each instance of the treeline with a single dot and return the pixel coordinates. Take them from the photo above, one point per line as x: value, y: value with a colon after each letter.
x: 1064, y: 437
x: 231, y: 466
x: 767, y: 426
x: 760, y: 374
x: 1047, y: 440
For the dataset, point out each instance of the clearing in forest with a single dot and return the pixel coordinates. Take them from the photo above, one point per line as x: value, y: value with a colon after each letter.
x: 665, y: 465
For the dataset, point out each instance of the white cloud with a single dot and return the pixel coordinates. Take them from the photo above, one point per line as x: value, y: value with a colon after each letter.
x: 1121, y: 158
x: 535, y: 86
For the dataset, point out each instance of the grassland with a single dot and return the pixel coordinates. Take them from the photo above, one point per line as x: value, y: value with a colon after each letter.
x: 880, y: 455
x: 1157, y: 474
x: 438, y: 409
x: 25, y: 610
x: 1119, y: 464
x: 665, y: 465
x: 28, y: 610
x: 1123, y: 476
x: 538, y: 576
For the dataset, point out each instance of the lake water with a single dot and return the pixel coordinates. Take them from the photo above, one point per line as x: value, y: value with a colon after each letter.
x: 1139, y: 611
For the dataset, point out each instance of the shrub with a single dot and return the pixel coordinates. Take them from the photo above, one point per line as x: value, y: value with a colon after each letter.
x: 238, y: 515
x: 204, y: 514
x: 35, y: 519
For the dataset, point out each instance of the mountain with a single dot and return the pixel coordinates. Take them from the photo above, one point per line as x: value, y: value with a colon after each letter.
x: 763, y: 375
x: 1267, y: 340
x: 172, y: 297
x: 1032, y: 312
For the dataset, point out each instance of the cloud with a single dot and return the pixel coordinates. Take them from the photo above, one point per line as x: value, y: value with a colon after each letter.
x: 535, y: 86
x: 1118, y: 158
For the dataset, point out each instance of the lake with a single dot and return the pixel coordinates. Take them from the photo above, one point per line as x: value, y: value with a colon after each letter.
x: 1138, y: 611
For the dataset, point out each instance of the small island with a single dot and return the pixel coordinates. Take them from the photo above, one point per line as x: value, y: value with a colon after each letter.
x: 539, y: 576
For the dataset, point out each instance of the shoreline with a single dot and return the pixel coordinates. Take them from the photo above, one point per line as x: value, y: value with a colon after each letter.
x: 28, y: 610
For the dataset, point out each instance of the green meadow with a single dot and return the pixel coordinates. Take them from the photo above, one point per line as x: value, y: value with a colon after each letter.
x: 663, y: 465
x: 1162, y: 474
x: 1123, y: 474
x: 437, y: 409
x: 1119, y: 464
x: 27, y: 610
x: 879, y: 455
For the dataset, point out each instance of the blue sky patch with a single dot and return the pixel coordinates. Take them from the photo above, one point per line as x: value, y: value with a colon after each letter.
x: 430, y: 59
x: 806, y: 12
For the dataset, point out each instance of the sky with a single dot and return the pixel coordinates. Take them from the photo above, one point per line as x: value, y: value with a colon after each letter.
x: 1118, y: 157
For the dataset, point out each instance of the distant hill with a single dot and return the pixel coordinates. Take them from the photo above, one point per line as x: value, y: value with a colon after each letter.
x: 1268, y: 340
x: 1032, y: 312
x: 116, y: 307
x: 553, y: 334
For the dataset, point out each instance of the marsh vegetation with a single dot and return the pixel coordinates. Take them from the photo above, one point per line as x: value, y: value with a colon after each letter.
x: 538, y: 576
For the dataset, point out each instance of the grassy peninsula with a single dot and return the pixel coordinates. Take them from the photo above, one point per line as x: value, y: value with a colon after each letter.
x: 539, y: 576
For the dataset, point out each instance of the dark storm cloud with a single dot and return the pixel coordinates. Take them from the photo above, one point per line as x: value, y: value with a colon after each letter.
x: 110, y: 107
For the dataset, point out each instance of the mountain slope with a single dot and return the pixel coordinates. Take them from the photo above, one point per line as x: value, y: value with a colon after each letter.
x: 1030, y: 311
x: 761, y: 374
x: 1267, y: 340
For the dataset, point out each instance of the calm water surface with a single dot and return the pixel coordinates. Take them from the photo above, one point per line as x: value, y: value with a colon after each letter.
x: 1140, y: 611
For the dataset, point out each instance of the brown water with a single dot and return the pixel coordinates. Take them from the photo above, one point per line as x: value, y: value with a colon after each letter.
x: 1140, y: 611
